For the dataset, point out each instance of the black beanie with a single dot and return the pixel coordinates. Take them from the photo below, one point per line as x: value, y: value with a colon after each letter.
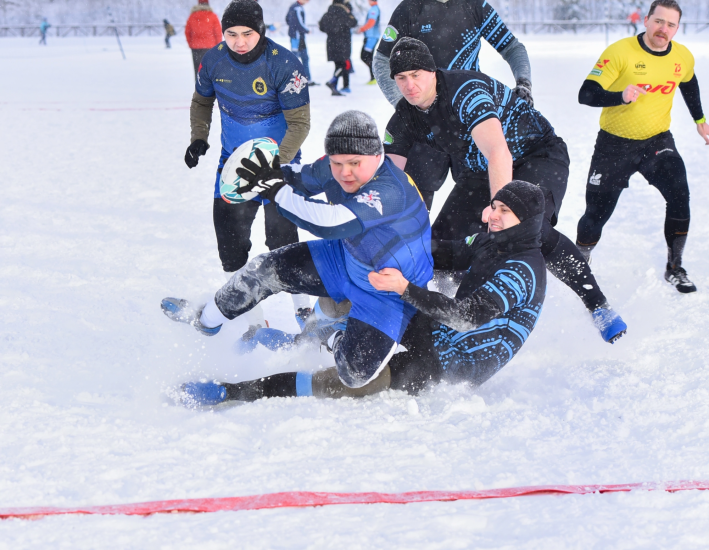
x: 525, y: 199
x: 410, y: 54
x: 244, y: 13
x: 353, y: 133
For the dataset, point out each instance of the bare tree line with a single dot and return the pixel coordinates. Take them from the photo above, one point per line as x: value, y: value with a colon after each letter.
x: 86, y: 12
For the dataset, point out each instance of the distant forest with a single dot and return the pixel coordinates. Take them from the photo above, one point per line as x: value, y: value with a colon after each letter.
x: 86, y: 12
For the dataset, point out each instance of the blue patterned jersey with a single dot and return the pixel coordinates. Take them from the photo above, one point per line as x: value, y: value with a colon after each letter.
x: 451, y: 30
x: 384, y: 224
x: 253, y: 96
x: 465, y: 99
x: 518, y: 288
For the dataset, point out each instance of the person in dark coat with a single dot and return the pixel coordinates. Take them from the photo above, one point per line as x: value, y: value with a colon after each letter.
x: 336, y: 23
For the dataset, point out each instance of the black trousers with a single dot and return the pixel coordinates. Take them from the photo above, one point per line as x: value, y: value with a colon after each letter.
x: 232, y: 224
x: 360, y: 353
x: 548, y: 167
x: 614, y: 160
x: 342, y: 69
x: 368, y: 58
x: 197, y: 56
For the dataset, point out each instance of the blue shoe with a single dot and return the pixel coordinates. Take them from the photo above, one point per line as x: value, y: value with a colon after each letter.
x: 346, y: 90
x: 202, y: 394
x: 182, y: 311
x: 609, y: 324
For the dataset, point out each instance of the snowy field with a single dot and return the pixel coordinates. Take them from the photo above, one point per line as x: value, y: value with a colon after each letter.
x: 100, y: 219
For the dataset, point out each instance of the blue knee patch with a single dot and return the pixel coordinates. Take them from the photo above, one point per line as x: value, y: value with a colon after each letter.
x: 304, y: 384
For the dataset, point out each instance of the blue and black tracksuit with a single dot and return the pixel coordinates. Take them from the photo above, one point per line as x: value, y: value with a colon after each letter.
x: 472, y: 336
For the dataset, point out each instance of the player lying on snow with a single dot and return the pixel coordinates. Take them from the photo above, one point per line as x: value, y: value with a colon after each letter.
x: 463, y: 339
x: 492, y: 136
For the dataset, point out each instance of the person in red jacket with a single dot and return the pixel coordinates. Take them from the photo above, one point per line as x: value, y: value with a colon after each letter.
x: 203, y: 31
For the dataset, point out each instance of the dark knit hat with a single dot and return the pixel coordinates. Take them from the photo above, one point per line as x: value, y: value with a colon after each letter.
x: 410, y: 54
x: 244, y: 13
x: 353, y: 133
x: 525, y: 199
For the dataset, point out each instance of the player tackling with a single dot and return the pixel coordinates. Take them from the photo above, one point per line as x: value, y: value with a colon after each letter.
x: 635, y: 82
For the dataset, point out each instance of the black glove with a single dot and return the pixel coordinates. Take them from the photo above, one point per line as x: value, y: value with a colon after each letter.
x: 264, y: 179
x: 197, y: 149
x: 524, y: 91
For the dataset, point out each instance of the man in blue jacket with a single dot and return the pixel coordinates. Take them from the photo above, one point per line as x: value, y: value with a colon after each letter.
x: 262, y: 91
x: 295, y: 18
x: 373, y: 217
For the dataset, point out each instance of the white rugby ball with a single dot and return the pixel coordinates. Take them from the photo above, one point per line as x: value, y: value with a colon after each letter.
x: 230, y: 181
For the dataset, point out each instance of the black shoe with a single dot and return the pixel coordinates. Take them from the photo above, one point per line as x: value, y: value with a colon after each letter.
x: 333, y: 88
x: 677, y: 277
x: 311, y: 83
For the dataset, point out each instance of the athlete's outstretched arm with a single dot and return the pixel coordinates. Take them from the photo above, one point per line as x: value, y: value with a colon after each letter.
x: 298, y: 121
x: 386, y: 83
x: 517, y: 58
x: 463, y: 314
x: 490, y: 139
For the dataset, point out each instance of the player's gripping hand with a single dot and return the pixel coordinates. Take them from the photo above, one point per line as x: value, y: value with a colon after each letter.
x: 524, y: 91
x: 264, y: 179
x: 389, y: 280
x: 196, y: 149
x: 632, y: 93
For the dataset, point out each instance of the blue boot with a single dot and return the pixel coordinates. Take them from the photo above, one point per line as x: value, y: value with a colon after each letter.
x: 182, y: 311
x: 609, y: 323
x: 202, y: 394
x: 346, y: 90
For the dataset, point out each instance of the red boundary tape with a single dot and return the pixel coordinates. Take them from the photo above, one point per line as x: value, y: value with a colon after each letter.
x: 303, y: 499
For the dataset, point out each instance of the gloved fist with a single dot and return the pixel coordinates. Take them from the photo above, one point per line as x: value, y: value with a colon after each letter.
x: 264, y: 179
x: 524, y: 91
x: 194, y: 151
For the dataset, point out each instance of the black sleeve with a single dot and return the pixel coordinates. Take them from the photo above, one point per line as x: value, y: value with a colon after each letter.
x: 460, y: 314
x: 450, y: 255
x: 398, y: 26
x: 399, y: 137
x: 593, y: 95
x: 690, y: 93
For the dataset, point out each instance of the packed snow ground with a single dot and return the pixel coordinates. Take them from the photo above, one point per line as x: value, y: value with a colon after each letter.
x: 100, y: 219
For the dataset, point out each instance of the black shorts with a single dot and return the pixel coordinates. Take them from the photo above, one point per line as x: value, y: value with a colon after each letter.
x: 615, y: 159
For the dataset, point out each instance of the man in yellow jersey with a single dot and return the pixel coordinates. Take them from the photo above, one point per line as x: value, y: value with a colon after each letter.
x: 635, y: 81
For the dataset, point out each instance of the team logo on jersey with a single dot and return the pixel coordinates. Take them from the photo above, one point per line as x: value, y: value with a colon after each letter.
x: 640, y: 65
x: 390, y: 34
x: 595, y: 179
x: 596, y: 72
x: 297, y: 83
x: 274, y: 51
x: 678, y: 68
x: 426, y: 28
x: 259, y: 86
x: 603, y: 63
x: 665, y: 89
x: 388, y: 139
x: 371, y: 199
x: 668, y: 150
x: 220, y: 47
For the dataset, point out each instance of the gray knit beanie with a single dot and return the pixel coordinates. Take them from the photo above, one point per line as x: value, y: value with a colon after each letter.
x: 353, y: 133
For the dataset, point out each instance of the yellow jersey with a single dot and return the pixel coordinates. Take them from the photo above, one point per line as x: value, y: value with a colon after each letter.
x: 626, y: 62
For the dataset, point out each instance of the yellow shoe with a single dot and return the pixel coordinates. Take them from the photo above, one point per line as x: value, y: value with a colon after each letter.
x: 373, y: 81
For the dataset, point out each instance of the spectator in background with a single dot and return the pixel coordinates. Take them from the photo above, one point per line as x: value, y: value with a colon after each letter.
x: 43, y: 26
x: 169, y: 31
x: 371, y: 37
x: 336, y: 23
x: 297, y: 31
x: 634, y: 19
x: 203, y: 31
